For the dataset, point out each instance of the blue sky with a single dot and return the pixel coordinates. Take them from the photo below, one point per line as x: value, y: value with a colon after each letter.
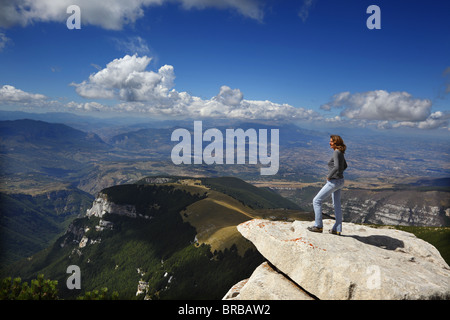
x: 307, y: 60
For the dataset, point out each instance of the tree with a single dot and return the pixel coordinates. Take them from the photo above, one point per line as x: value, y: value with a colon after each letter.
x: 44, y: 289
x: 39, y: 289
x: 99, y: 295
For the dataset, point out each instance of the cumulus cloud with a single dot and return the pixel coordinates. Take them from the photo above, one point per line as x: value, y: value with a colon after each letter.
x: 436, y: 120
x: 140, y: 90
x: 152, y: 93
x: 386, y: 110
x: 248, y: 109
x: 9, y: 94
x: 111, y: 14
x: 126, y: 79
x: 195, y: 107
x: 381, y: 105
x: 230, y: 97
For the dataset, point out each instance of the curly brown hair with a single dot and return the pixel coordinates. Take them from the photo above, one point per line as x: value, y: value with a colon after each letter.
x: 338, y: 143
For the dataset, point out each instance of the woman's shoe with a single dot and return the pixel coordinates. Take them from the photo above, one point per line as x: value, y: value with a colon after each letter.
x: 334, y: 232
x: 315, y: 229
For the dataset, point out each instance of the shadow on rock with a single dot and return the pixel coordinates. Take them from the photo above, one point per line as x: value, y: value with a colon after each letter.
x: 383, y: 242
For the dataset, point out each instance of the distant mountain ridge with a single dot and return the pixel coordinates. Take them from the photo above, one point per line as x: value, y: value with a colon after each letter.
x: 130, y: 151
x: 38, y: 155
x: 43, y: 133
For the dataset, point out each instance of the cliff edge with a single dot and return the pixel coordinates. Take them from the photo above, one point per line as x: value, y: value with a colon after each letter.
x: 364, y: 263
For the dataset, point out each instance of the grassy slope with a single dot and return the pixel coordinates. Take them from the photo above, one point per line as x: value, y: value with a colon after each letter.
x: 228, y: 203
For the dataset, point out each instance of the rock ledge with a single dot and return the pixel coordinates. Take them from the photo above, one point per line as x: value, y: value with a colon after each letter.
x: 364, y: 263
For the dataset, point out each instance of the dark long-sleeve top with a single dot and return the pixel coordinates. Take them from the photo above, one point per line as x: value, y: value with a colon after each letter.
x: 336, y: 166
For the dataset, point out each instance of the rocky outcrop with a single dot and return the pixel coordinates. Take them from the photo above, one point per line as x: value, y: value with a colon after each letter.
x: 266, y: 284
x: 102, y: 206
x: 363, y: 263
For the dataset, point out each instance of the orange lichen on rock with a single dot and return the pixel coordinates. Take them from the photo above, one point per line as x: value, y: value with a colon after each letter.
x: 300, y: 239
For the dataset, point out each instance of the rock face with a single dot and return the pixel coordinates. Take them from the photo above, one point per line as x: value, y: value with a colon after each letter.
x: 266, y: 284
x: 363, y: 263
x: 407, y: 208
x: 101, y: 206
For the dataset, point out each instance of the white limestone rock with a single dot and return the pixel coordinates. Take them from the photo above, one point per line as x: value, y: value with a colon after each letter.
x: 363, y: 263
x: 102, y: 206
x: 266, y: 284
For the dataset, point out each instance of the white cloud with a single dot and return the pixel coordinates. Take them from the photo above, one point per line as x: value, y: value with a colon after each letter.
x: 143, y: 91
x: 249, y: 8
x: 9, y: 94
x: 386, y: 110
x: 436, y: 120
x: 126, y: 79
x: 151, y: 93
x: 132, y: 45
x: 195, y: 107
x: 304, y: 10
x: 228, y: 96
x: 4, y: 40
x: 111, y: 14
x: 381, y: 105
x: 86, y: 106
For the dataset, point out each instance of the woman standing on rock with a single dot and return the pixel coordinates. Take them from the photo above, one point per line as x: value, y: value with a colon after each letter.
x: 335, y: 182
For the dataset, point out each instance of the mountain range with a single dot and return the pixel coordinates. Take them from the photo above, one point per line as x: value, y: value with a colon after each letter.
x: 54, y: 175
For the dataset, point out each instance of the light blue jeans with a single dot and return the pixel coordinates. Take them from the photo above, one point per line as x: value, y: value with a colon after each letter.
x: 332, y: 188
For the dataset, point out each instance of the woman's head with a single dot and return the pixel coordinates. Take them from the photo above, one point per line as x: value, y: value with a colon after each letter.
x: 336, y: 142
